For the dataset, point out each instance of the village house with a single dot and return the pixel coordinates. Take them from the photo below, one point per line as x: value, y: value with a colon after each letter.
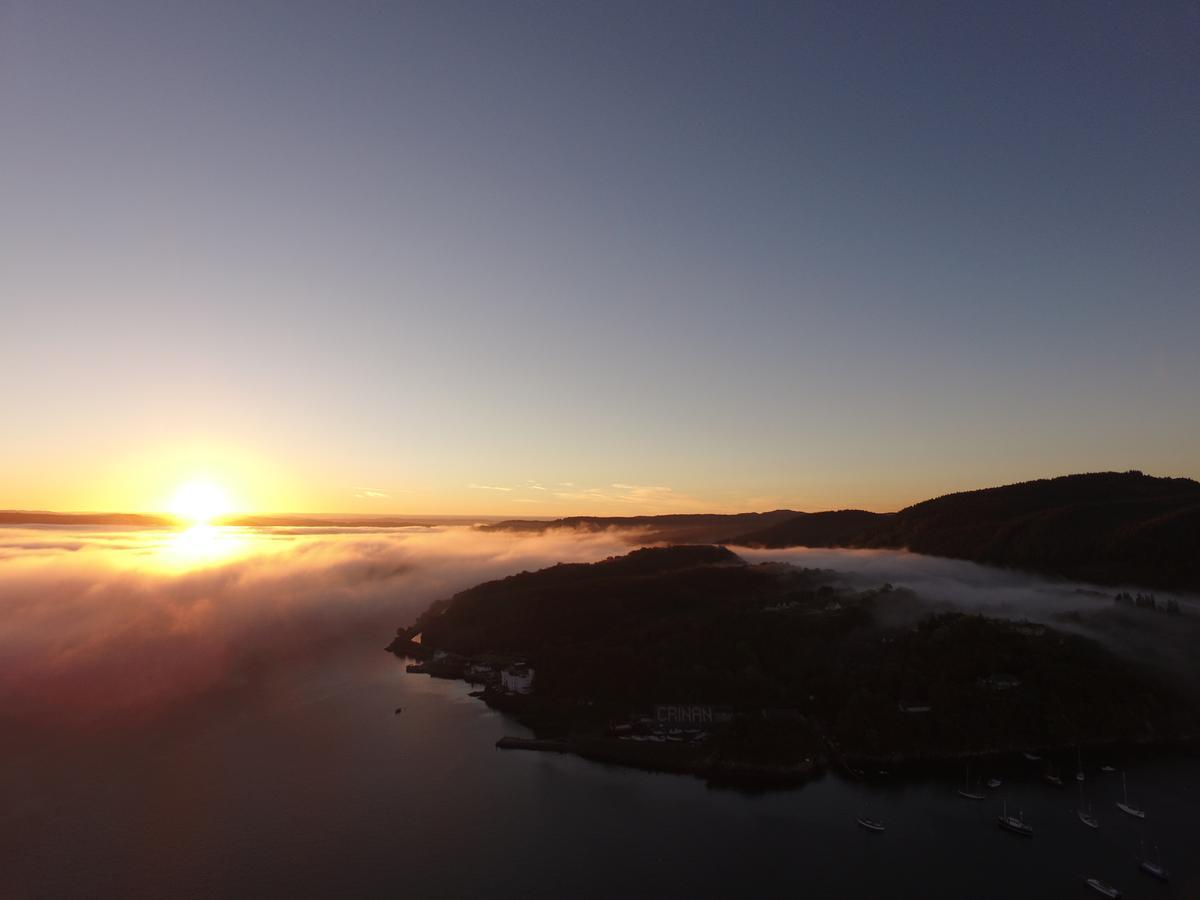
x: 516, y: 679
x: 480, y: 672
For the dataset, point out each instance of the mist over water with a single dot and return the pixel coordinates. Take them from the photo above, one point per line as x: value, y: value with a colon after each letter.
x: 99, y: 621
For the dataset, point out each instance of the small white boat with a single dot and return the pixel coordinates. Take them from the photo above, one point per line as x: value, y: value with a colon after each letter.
x: 1153, y: 866
x: 871, y: 824
x: 1032, y: 757
x: 1101, y: 887
x: 1107, y: 770
x: 994, y: 782
x: 1125, y: 806
x: 1016, y: 824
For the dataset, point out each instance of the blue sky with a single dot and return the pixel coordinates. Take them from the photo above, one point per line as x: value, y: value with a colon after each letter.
x: 610, y: 257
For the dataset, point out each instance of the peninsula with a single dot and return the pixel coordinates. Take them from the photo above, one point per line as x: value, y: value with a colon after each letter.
x: 688, y: 658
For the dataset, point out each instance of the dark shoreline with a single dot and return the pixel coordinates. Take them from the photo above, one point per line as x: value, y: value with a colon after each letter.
x: 703, y: 762
x: 695, y: 761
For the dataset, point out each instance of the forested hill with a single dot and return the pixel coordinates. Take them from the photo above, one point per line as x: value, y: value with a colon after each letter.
x: 699, y: 623
x: 837, y: 528
x: 535, y: 611
x: 1106, y: 527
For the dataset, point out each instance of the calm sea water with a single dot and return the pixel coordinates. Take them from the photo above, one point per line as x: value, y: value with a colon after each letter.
x: 290, y: 775
x: 311, y: 786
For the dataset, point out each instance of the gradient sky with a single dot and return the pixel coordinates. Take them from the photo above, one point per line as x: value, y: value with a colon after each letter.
x: 579, y: 257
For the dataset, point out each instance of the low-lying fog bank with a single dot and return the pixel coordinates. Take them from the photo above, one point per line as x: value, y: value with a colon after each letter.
x: 102, y: 620
x: 99, y: 621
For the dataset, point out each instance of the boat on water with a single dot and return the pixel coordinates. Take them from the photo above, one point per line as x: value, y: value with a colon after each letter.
x: 1153, y: 866
x: 1125, y: 806
x: 1102, y: 887
x: 1087, y: 817
x: 1107, y: 770
x: 871, y: 824
x: 1032, y: 757
x: 965, y: 791
x: 1016, y: 824
x: 994, y: 782
x: 1051, y: 778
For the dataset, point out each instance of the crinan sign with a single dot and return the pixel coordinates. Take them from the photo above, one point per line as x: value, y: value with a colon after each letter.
x: 684, y: 714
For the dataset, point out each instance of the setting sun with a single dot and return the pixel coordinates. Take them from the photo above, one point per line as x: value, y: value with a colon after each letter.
x: 199, y: 502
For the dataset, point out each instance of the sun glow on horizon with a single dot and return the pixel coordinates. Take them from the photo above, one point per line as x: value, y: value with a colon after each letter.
x: 199, y: 502
x: 201, y: 545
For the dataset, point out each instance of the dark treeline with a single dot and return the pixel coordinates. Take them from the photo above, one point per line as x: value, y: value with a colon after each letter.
x: 1149, y: 601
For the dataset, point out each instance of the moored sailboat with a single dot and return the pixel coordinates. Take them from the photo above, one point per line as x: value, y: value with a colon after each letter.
x: 965, y: 791
x: 1153, y: 866
x: 871, y: 824
x: 1087, y: 817
x: 1102, y: 887
x: 1125, y: 806
x: 1052, y: 777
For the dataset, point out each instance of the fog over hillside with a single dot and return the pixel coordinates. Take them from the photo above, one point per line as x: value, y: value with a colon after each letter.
x: 937, y: 583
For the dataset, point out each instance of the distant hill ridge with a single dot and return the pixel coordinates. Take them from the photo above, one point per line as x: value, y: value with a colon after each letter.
x: 673, y: 528
x: 1106, y: 527
x: 41, y: 517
